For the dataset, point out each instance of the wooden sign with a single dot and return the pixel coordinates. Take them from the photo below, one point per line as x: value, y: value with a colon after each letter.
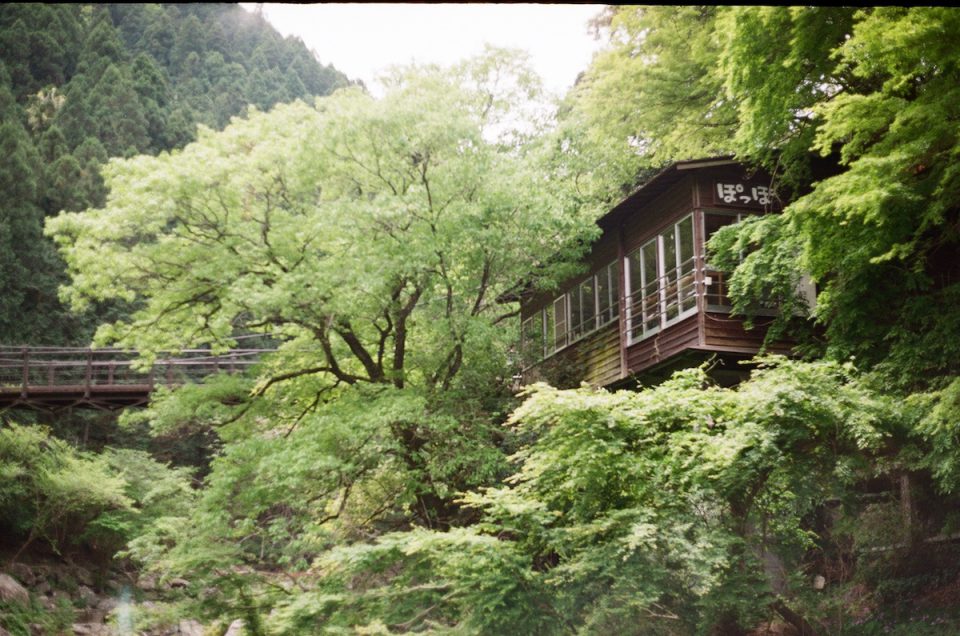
x: 743, y: 193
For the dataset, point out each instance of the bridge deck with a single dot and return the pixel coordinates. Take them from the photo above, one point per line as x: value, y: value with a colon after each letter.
x: 59, y: 377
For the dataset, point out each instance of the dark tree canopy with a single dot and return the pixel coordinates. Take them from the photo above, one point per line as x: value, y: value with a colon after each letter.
x: 82, y: 83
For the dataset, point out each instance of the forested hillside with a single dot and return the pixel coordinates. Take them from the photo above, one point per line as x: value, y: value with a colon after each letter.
x: 82, y: 83
x: 380, y: 472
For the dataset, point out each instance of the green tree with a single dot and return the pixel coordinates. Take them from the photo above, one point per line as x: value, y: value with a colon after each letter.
x: 49, y: 488
x: 102, y: 47
x: 879, y: 237
x: 152, y: 87
x: 653, y: 95
x: 371, y: 238
x: 28, y: 263
x: 871, y: 88
x: 680, y: 509
x: 118, y: 114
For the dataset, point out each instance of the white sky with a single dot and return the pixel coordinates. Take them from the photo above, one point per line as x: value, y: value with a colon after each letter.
x: 362, y: 39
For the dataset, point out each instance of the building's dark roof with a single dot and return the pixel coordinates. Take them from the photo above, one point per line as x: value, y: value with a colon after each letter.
x: 657, y: 185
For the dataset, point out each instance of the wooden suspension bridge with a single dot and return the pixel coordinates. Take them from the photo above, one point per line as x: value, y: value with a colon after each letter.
x: 53, y: 378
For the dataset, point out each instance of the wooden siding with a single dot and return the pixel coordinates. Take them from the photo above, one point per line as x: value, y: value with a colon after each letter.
x: 603, y: 252
x: 723, y: 332
x: 663, y: 211
x: 594, y: 359
x: 664, y: 345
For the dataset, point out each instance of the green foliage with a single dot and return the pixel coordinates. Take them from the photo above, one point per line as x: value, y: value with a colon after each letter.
x: 651, y: 512
x: 66, y: 497
x: 157, y: 491
x: 456, y: 581
x: 654, y: 94
x: 938, y: 430
x: 50, y: 489
x: 873, y: 88
x: 363, y: 483
x: 24, y: 620
x: 81, y: 83
x: 371, y: 238
x: 195, y: 405
x: 373, y: 263
x: 648, y: 504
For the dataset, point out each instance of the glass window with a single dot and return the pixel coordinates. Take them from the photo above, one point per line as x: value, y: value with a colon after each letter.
x: 588, y: 305
x: 650, y: 265
x: 576, y: 315
x: 560, y: 323
x: 531, y: 339
x: 603, y: 296
x: 643, y: 304
x: 548, y: 331
x: 671, y: 273
x: 662, y: 280
x: 716, y: 290
x: 614, y: 276
x: 686, y: 265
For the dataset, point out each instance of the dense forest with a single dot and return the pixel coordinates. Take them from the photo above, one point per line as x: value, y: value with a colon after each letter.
x: 380, y: 472
x: 82, y: 83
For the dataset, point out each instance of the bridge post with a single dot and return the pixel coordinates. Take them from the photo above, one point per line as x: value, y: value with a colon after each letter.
x: 26, y: 371
x: 89, y: 374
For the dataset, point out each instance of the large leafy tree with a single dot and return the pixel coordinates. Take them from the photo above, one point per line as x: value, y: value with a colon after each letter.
x: 653, y: 94
x: 680, y: 509
x: 874, y: 90
x: 94, y: 81
x: 369, y: 238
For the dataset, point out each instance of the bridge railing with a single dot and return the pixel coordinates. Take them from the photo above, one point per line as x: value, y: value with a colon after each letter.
x: 38, y: 367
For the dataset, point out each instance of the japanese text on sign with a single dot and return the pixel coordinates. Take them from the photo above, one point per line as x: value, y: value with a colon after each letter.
x: 738, y: 193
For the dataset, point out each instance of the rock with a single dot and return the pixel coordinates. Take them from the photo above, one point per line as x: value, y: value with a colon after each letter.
x: 41, y: 588
x: 88, y: 596
x: 36, y: 629
x: 48, y: 603
x: 190, y: 627
x: 83, y: 575
x: 90, y: 615
x: 148, y: 582
x: 819, y: 582
x: 11, y: 591
x: 91, y: 629
x: 23, y: 573
x: 235, y: 629
x: 4, y: 632
x: 108, y: 604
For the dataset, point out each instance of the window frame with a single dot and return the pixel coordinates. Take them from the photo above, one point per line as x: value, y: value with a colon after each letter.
x: 709, y: 271
x: 681, y: 270
x: 552, y: 337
